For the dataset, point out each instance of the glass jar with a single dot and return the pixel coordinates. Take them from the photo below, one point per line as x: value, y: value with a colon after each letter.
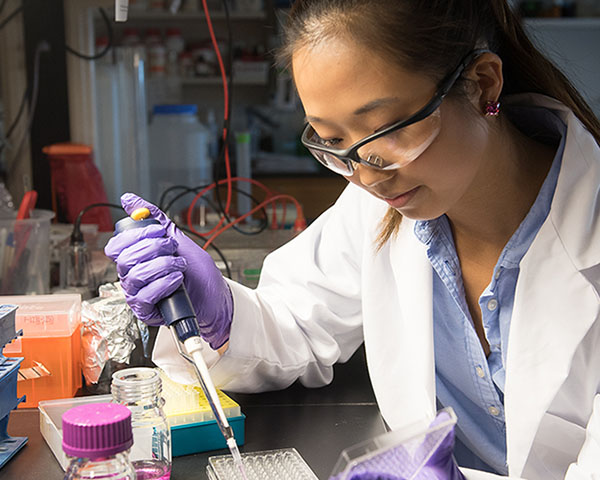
x: 96, y: 439
x: 140, y: 390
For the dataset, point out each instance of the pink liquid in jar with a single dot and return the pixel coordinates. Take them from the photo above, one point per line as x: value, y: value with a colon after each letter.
x: 152, y: 470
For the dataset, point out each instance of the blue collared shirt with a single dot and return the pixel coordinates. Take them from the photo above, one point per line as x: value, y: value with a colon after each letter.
x: 465, y: 379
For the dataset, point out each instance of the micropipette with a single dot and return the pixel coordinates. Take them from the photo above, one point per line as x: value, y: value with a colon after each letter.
x: 178, y: 313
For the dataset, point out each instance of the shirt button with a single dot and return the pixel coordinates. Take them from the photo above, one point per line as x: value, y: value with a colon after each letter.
x: 492, y: 305
x: 494, y: 411
x: 497, y: 274
x: 480, y: 372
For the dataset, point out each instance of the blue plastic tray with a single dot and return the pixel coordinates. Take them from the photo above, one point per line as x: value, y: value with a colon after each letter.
x: 9, y: 401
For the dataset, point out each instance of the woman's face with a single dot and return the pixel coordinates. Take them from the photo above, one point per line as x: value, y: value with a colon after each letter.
x: 349, y: 92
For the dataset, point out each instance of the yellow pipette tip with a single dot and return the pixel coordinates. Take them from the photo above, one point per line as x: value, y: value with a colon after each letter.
x: 140, y: 214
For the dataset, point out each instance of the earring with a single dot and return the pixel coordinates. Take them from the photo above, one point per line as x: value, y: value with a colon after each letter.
x: 491, y: 109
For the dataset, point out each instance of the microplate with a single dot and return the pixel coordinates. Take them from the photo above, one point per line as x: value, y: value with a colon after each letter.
x: 282, y: 464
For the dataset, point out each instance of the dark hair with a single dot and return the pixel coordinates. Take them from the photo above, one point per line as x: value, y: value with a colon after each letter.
x: 432, y: 37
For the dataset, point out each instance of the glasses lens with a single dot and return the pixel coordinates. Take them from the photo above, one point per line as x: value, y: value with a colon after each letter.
x: 400, y: 147
x: 333, y: 162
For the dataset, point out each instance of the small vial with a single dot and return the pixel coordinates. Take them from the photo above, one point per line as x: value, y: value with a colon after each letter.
x: 96, y: 439
x: 139, y: 389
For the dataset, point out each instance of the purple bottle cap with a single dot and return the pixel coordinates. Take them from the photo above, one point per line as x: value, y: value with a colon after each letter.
x: 96, y: 430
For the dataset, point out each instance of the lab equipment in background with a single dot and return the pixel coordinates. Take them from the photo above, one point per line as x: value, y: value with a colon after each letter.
x: 25, y: 254
x: 213, y: 135
x: 121, y: 121
x: 51, y: 345
x: 140, y: 389
x: 244, y: 170
x: 97, y: 438
x: 77, y: 274
x: 121, y: 10
x: 76, y: 182
x: 7, y: 205
x: 282, y: 464
x: 193, y: 425
x: 175, y: 45
x: 178, y: 149
x: 9, y: 370
x: 110, y: 336
x: 405, y: 453
x: 76, y: 270
x: 178, y: 314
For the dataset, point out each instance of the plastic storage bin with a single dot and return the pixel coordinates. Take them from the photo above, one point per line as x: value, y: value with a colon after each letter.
x: 51, y: 345
x: 178, y: 149
x: 186, y: 438
x: 25, y: 254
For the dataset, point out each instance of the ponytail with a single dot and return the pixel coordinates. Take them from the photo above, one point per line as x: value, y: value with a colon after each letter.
x: 528, y: 70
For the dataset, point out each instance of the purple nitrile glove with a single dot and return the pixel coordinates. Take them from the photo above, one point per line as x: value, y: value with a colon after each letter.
x: 151, y: 262
x: 412, y: 461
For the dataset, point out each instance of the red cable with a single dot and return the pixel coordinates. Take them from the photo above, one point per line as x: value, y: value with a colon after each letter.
x: 300, y: 223
x: 210, y: 187
x: 226, y: 106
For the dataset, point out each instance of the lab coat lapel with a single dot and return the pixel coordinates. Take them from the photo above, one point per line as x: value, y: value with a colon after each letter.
x: 401, y: 353
x: 547, y: 326
x: 546, y: 329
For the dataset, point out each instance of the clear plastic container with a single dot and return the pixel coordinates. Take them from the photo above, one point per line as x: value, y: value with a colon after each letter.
x: 96, y: 439
x: 178, y: 149
x: 140, y: 390
x: 51, y: 345
x: 397, y: 454
x: 283, y: 464
x: 25, y: 254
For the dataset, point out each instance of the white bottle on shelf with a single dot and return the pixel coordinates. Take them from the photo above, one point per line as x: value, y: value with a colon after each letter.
x: 178, y: 148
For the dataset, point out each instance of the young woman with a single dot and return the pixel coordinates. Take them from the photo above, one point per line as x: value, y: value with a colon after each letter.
x: 465, y: 251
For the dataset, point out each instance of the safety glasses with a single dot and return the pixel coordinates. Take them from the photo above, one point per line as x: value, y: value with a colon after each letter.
x: 395, y: 146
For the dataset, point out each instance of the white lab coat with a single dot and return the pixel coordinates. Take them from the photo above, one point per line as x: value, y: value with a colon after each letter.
x: 327, y: 290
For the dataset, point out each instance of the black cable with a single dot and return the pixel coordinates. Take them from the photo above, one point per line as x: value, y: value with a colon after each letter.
x: 77, y: 236
x: 265, y: 219
x: 109, y: 32
x: 42, y: 46
x: 12, y: 15
x: 219, y: 252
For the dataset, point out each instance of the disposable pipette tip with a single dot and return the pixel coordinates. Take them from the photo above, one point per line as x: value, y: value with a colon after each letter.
x: 237, y: 458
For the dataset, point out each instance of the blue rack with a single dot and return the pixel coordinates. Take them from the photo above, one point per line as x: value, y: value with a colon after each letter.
x: 9, y: 370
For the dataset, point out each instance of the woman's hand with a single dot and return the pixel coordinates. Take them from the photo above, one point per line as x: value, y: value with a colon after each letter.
x: 151, y: 262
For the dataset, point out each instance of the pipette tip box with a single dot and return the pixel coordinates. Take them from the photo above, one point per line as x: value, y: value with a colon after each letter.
x: 193, y: 425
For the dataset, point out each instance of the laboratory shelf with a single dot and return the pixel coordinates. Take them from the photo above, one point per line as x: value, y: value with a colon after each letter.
x: 205, y: 81
x: 150, y: 16
x: 563, y: 22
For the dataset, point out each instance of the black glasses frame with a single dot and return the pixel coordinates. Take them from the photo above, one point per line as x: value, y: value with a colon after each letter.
x: 350, y: 154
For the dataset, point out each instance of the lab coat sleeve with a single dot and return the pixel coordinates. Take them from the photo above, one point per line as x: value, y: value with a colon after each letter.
x: 587, y: 466
x: 305, y: 314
